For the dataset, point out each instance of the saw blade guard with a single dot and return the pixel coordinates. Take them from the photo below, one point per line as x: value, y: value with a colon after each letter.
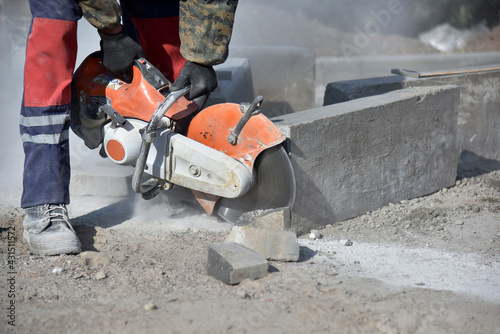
x: 214, y: 125
x: 258, y: 146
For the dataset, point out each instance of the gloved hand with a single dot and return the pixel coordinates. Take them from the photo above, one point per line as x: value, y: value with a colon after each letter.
x: 118, y: 51
x: 202, y: 79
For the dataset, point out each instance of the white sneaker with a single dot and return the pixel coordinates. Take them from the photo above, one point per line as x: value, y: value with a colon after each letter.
x: 47, y: 230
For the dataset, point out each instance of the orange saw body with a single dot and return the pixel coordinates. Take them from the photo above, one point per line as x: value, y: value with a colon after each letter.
x: 137, y: 99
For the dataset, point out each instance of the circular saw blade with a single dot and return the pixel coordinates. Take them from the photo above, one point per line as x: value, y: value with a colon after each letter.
x: 274, y: 187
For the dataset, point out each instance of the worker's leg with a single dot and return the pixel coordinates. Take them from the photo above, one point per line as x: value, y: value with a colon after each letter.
x: 50, y: 60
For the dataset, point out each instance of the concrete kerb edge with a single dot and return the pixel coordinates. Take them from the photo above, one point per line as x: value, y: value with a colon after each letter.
x: 478, y: 117
x: 310, y: 168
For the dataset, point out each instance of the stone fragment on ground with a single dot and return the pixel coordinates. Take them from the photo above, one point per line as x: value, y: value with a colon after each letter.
x: 272, y: 244
x: 232, y: 263
x: 150, y: 307
x: 277, y: 219
x: 100, y: 275
x: 315, y: 234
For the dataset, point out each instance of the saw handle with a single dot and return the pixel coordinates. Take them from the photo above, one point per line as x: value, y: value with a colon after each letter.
x: 149, y: 136
x: 251, y: 109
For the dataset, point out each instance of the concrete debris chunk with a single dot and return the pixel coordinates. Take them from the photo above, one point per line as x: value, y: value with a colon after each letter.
x: 272, y: 244
x: 315, y: 234
x: 57, y: 270
x: 100, y: 275
x: 275, y: 219
x: 150, y: 307
x: 278, y: 219
x: 231, y: 263
x: 347, y: 242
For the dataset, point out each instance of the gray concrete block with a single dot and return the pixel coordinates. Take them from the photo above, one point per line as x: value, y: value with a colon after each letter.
x: 334, y: 69
x: 92, y: 175
x: 357, y: 156
x: 330, y: 69
x: 235, y: 80
x: 284, y: 75
x: 232, y: 263
x: 478, y: 116
x: 272, y: 244
x: 215, y: 97
x: 342, y: 91
x: 101, y: 182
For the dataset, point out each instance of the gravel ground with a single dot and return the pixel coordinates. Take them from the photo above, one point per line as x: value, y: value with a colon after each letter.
x: 430, y: 264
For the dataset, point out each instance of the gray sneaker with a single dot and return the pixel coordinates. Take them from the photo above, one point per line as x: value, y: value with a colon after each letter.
x: 47, y: 230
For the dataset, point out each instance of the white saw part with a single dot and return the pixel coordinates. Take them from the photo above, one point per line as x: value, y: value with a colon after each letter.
x: 123, y: 143
x: 188, y: 163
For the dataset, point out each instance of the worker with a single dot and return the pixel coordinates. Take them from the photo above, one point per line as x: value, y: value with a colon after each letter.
x: 184, y: 39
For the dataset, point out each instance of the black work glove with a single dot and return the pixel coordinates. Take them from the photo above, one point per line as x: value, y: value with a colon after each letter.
x: 202, y: 79
x: 118, y: 52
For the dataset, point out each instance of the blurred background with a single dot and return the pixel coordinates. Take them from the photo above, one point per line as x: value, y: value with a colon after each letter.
x: 394, y: 26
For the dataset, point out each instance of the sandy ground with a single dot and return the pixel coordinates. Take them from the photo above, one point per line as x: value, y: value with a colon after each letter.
x: 427, y: 265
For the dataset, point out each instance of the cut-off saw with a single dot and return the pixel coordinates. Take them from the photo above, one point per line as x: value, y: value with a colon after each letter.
x: 230, y: 155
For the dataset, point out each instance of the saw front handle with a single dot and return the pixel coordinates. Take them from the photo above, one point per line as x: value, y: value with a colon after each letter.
x: 148, y: 137
x: 251, y: 109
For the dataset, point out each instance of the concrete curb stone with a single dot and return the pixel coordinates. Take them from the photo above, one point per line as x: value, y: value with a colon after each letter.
x: 232, y: 263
